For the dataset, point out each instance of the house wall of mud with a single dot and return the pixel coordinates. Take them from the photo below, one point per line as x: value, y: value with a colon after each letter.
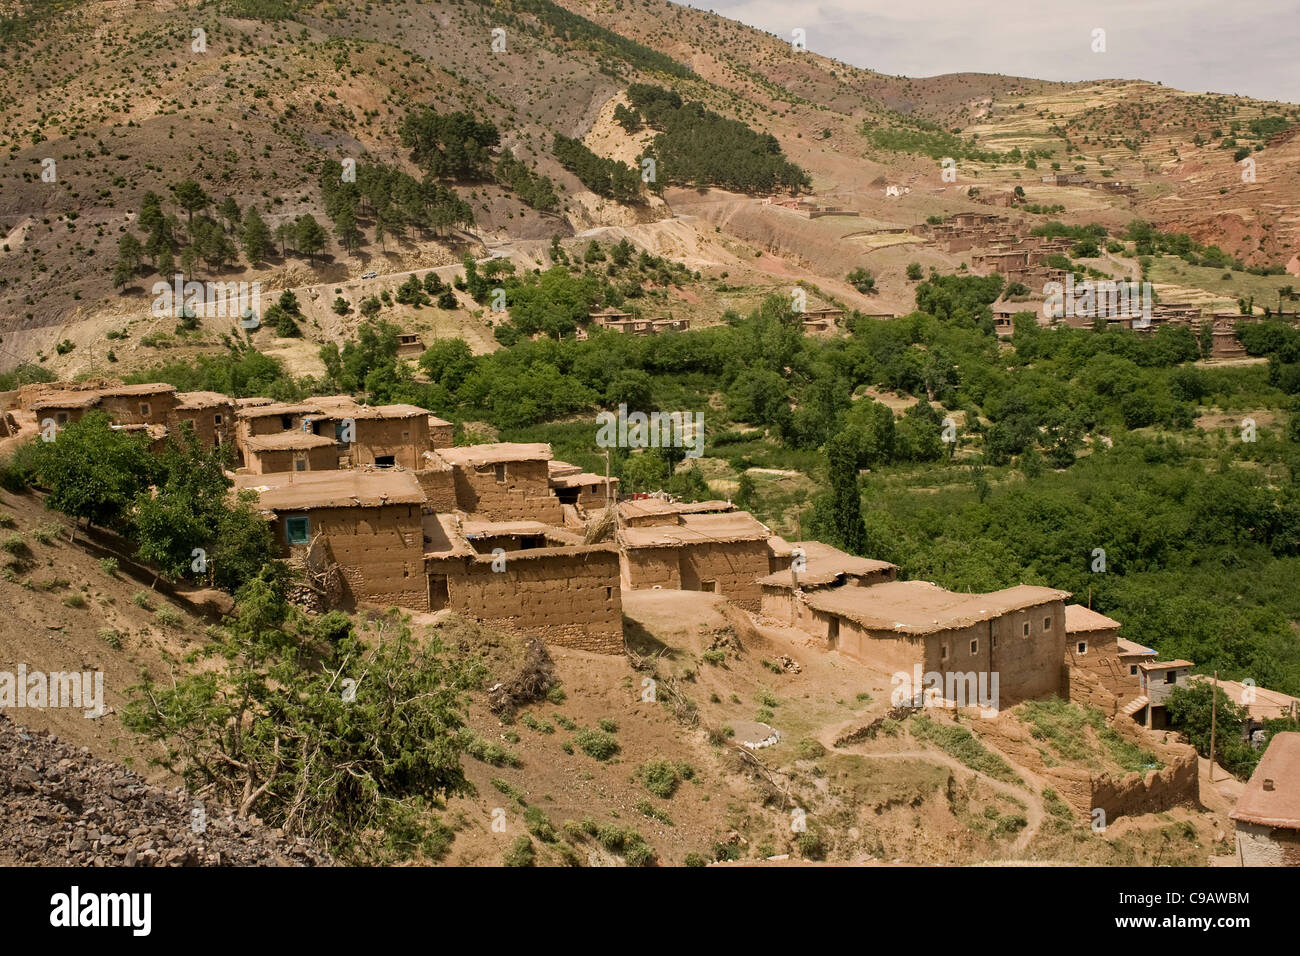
x: 324, y: 458
x: 214, y: 425
x: 729, y: 568
x: 379, y: 551
x: 405, y: 439
x: 524, y: 494
x: 569, y: 597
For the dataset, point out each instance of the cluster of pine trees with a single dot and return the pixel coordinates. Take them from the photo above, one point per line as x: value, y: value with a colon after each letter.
x: 201, y: 238
x: 697, y: 147
x: 450, y: 146
x: 605, y: 177
x: 532, y: 188
x: 391, y: 200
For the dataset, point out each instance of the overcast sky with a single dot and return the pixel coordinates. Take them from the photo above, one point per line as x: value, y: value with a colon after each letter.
x: 1251, y: 47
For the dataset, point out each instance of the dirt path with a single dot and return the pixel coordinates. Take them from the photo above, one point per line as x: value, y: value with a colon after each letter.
x: 1034, y: 812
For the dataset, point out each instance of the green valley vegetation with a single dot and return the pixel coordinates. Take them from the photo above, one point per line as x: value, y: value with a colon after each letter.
x: 1067, y: 443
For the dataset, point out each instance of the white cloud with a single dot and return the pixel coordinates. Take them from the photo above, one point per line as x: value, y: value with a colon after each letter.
x: 1247, y: 47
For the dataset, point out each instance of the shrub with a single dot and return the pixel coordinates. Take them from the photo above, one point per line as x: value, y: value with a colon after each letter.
x: 142, y: 599
x: 46, y: 533
x: 539, y: 826
x: 662, y: 777
x: 111, y: 637
x: 596, y: 743
x: 810, y: 749
x: 491, y: 753
x: 169, y: 617
x: 108, y: 566
x: 811, y: 845
x: 521, y: 853
x: 608, y: 725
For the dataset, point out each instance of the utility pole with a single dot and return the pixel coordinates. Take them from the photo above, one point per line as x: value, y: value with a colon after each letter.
x: 1214, y: 707
x: 794, y: 574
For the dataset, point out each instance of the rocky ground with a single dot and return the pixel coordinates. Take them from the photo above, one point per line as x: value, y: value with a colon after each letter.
x: 60, y: 806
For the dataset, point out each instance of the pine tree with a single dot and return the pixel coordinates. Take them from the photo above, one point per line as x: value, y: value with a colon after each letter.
x: 256, y: 236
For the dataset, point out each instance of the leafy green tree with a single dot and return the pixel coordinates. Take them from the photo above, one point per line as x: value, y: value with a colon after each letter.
x: 190, y: 507
x: 448, y: 362
x: 94, y: 472
x: 274, y: 734
x: 844, y: 501
x: 1189, y: 713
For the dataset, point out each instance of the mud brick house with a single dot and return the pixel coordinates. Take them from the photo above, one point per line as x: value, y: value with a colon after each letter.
x: 642, y: 512
x: 545, y: 581
x: 368, y: 523
x: 722, y: 553
x: 408, y: 343
x: 504, y: 482
x: 63, y: 407
x: 437, y: 480
x: 269, y: 418
x: 440, y: 432
x: 670, y: 324
x: 1131, y: 654
x: 210, y: 414
x: 1158, y: 678
x: 898, y: 625
x: 149, y: 404
x: 608, y: 315
x: 296, y: 450
x: 1094, y: 673
x: 1267, y: 815
x: 573, y: 486
x: 812, y: 566
x: 382, y: 435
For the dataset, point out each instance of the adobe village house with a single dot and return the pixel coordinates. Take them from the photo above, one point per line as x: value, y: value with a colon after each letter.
x: 378, y: 508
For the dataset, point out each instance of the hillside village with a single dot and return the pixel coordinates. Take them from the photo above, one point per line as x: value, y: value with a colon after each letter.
x: 971, y: 535
x: 374, y: 507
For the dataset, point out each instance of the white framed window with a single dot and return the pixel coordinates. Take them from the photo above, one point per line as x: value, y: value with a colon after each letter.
x: 1047, y: 624
x: 1025, y: 632
x: 1132, y: 670
x: 1082, y: 647
x: 975, y: 646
